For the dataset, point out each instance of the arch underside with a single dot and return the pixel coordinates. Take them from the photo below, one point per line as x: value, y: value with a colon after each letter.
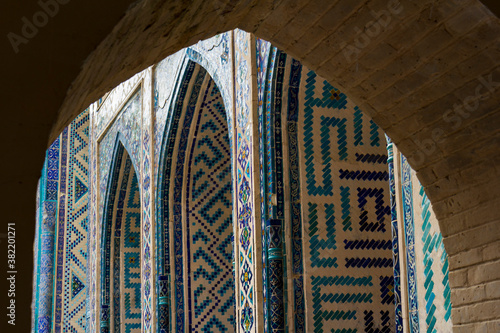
x: 121, y: 249
x: 195, y: 196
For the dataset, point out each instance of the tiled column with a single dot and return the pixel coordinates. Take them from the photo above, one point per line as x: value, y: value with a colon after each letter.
x: 164, y: 303
x: 395, y: 237
x: 275, y: 275
x: 49, y: 195
x: 148, y: 227
x: 249, y: 286
x: 104, y: 318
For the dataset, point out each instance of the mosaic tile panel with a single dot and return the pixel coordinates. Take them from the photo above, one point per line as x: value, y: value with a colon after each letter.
x: 209, y: 219
x: 75, y: 224
x: 108, y: 107
x: 210, y: 283
x: 345, y: 213
x: 409, y: 226
x: 395, y: 238
x: 49, y: 187
x: 310, y: 135
x: 121, y: 270
x: 262, y: 53
x: 121, y: 193
x: 297, y: 267
x: 60, y: 230
x: 432, y: 283
x: 176, y: 212
x: 272, y: 189
x: 169, y: 274
x: 91, y: 302
x: 244, y: 54
x: 127, y: 126
x: 215, y: 56
x: 167, y: 78
x: 129, y: 257
x: 148, y: 247
x: 110, y: 242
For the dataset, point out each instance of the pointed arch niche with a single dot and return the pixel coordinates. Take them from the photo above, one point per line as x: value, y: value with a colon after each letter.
x: 195, y: 210
x: 121, y: 248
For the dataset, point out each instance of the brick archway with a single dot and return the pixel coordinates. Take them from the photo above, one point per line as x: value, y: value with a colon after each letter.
x: 425, y: 72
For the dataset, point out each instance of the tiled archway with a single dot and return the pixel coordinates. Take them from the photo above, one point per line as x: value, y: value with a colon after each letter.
x: 425, y: 72
x: 407, y: 90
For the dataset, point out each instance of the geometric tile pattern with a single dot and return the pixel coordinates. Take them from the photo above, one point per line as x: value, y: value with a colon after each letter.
x: 196, y: 135
x: 76, y: 222
x: 92, y: 241
x: 297, y: 269
x: 264, y: 70
x: 121, y: 142
x: 127, y: 127
x: 427, y: 266
x: 395, y: 239
x: 114, y: 255
x: 63, y: 233
x: 172, y: 268
x: 340, y: 216
x: 146, y: 167
x: 46, y: 222
x: 409, y: 226
x: 244, y: 54
x: 110, y: 121
x: 111, y: 234
x: 130, y: 258
x: 121, y: 272
x: 435, y: 270
x: 434, y: 249
x: 214, y: 56
x: 271, y: 65
x: 177, y: 204
x: 209, y: 218
x: 345, y: 210
x: 62, y: 196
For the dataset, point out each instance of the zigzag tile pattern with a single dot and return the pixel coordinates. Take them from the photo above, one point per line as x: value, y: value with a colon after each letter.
x: 209, y: 218
x: 75, y: 265
x: 62, y: 234
x: 432, y: 257
x: 116, y: 241
x: 131, y: 258
x: 120, y: 266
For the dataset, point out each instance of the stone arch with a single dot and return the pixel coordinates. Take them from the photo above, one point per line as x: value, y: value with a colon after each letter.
x: 195, y: 213
x: 406, y: 93
x: 120, y: 253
